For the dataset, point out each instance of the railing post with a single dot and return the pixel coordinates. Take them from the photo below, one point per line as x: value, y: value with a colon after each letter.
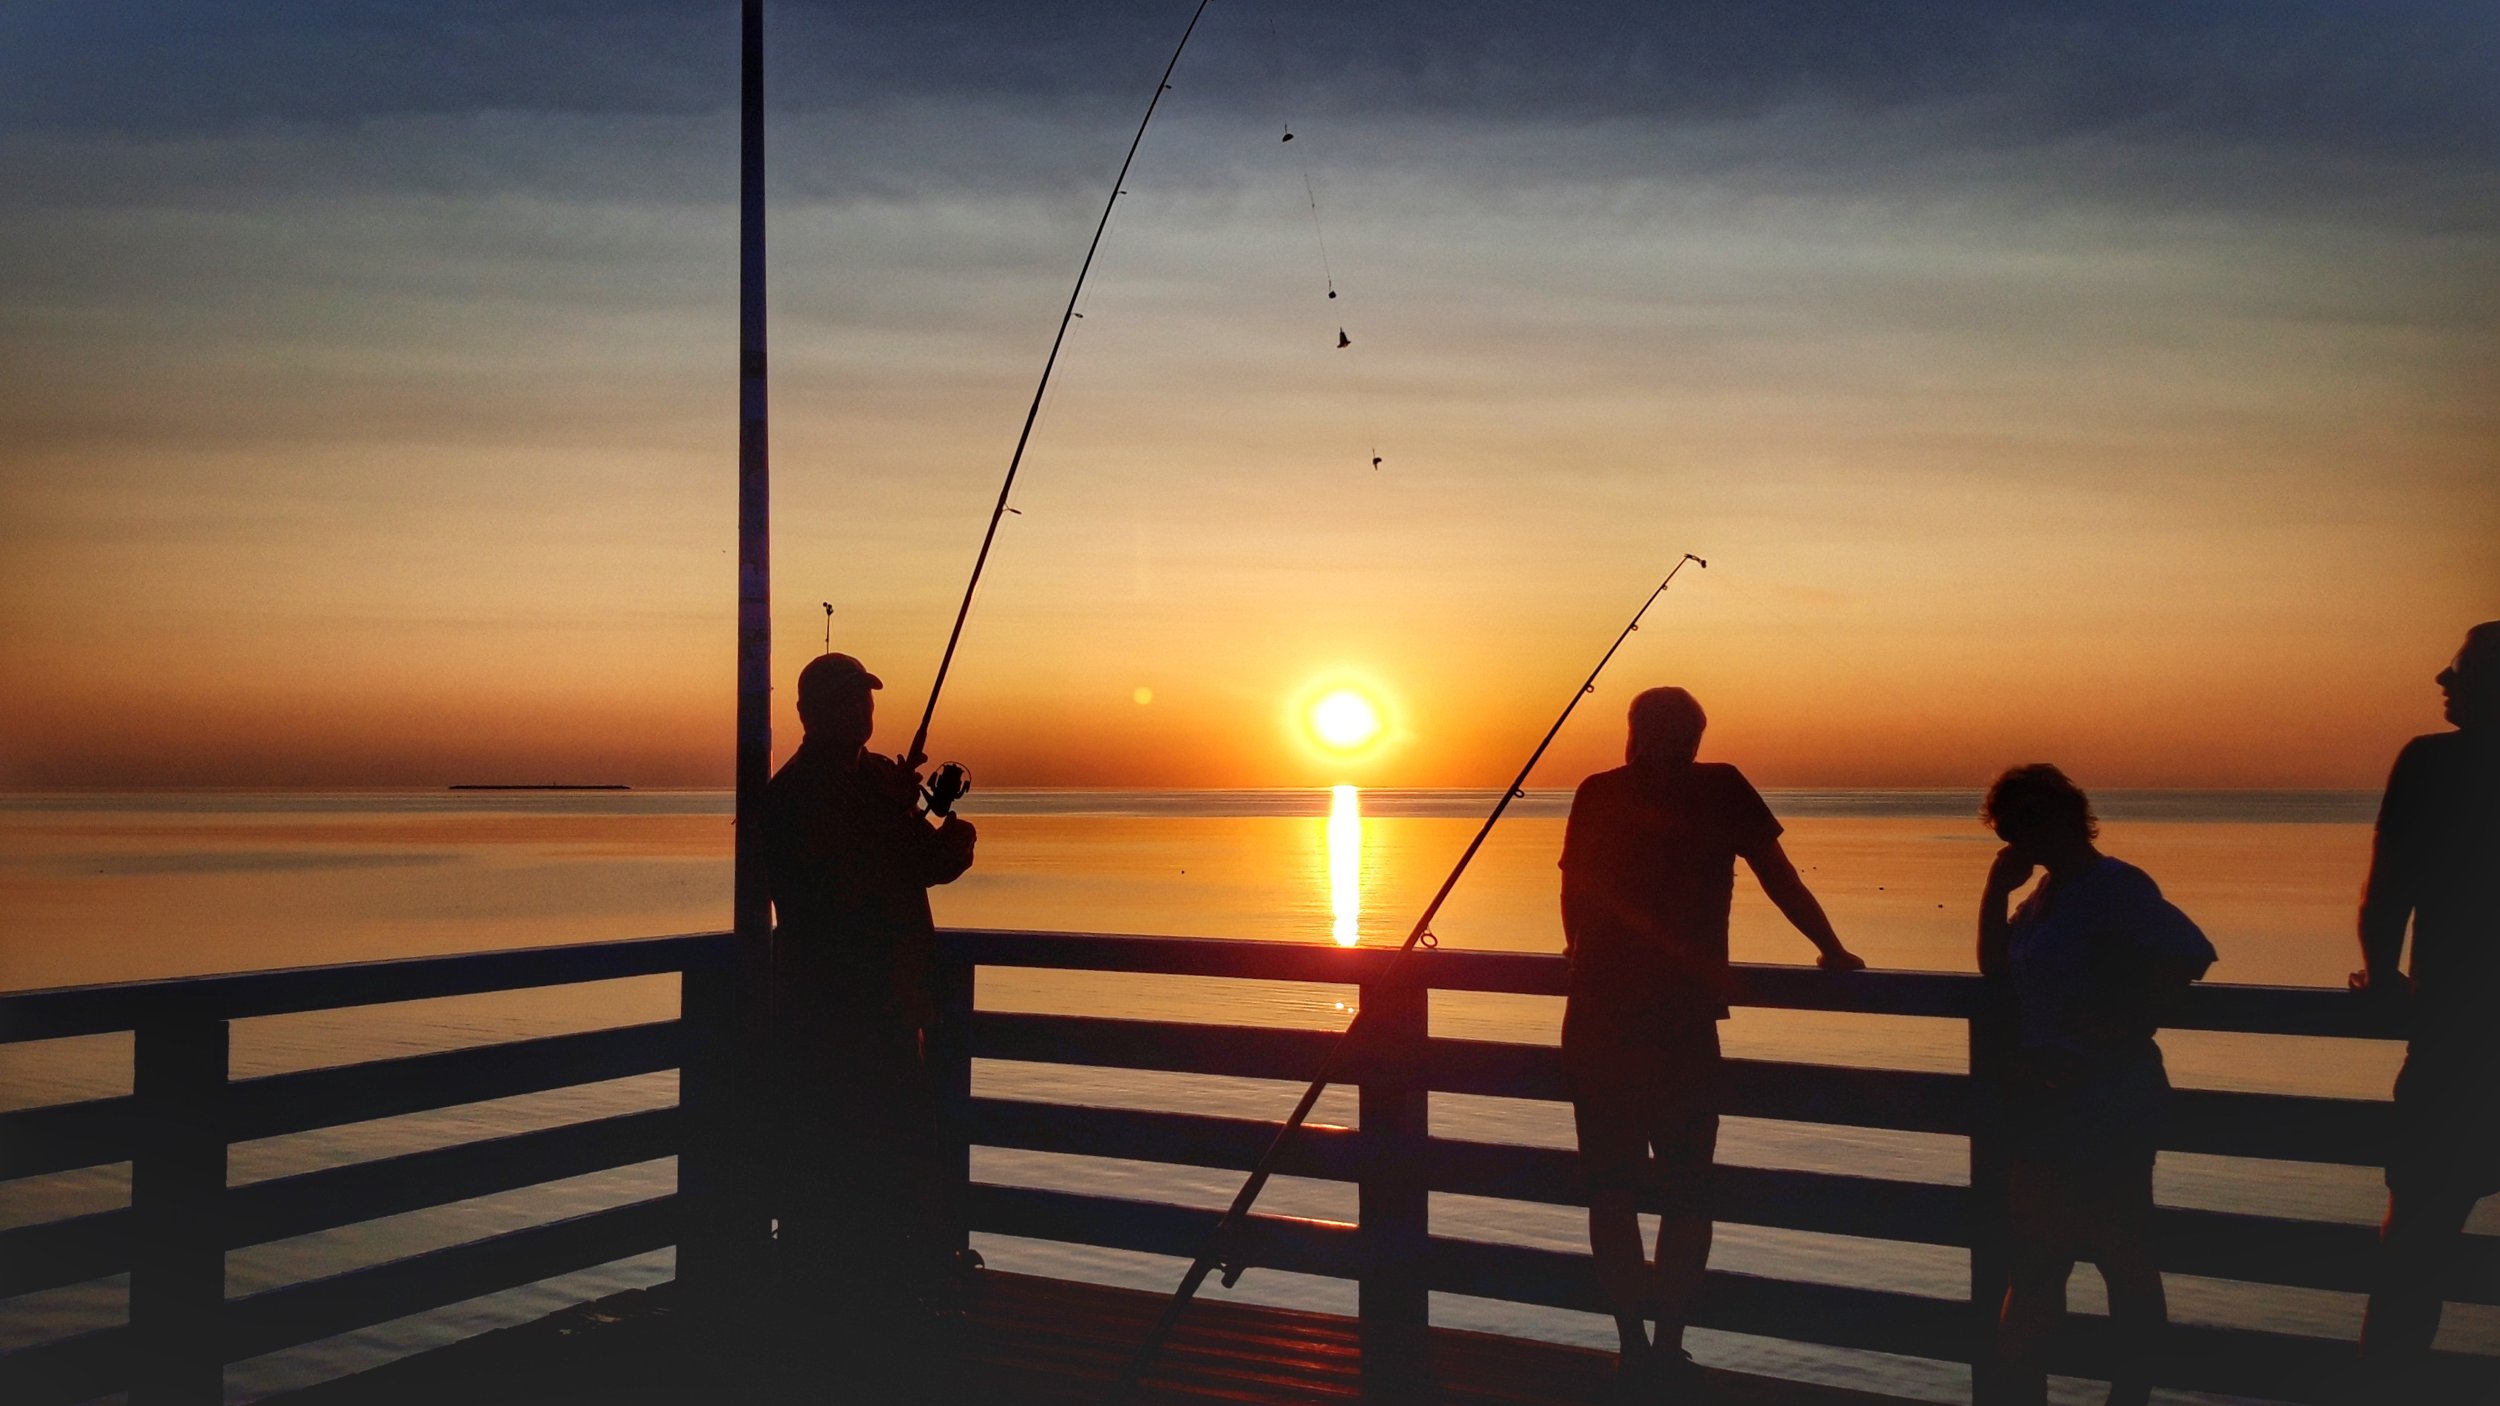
x: 722, y: 1224
x: 1991, y: 1046
x: 177, y: 1193
x: 1395, y: 1225
x: 949, y: 1055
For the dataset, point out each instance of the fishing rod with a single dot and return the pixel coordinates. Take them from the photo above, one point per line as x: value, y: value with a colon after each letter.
x: 1212, y: 1254
x: 950, y: 778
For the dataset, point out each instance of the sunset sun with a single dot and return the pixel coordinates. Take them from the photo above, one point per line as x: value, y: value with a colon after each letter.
x: 1344, y: 720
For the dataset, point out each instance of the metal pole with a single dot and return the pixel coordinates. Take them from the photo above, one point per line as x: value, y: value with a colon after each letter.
x: 753, y: 905
x: 742, y: 1026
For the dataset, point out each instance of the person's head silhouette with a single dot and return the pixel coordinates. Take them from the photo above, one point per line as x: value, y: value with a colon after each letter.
x: 1665, y: 732
x: 2471, y: 682
x: 2040, y: 813
x: 837, y: 701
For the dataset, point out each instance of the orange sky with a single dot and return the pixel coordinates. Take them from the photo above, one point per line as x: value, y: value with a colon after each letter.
x: 399, y: 450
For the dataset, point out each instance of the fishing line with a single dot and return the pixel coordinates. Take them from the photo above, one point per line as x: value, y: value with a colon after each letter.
x: 1284, y: 116
x: 1319, y: 236
x: 1215, y: 1254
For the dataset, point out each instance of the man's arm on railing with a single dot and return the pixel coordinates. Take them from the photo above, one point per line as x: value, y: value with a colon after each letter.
x: 2387, y: 896
x: 1788, y: 892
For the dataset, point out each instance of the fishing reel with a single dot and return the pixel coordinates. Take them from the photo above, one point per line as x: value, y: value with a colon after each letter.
x: 946, y: 788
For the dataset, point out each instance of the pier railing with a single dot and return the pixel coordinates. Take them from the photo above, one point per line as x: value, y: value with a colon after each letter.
x: 1396, y: 1163
x: 184, y: 1110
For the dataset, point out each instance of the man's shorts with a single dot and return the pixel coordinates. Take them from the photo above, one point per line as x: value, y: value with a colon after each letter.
x: 1658, y: 1095
x: 2444, y: 1136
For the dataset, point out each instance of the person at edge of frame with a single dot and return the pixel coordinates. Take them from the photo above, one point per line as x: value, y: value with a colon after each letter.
x: 862, y: 1243
x: 1648, y: 871
x: 2091, y: 960
x: 2435, y: 861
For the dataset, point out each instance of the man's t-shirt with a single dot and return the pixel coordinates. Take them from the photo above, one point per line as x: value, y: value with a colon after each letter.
x: 1649, y: 866
x: 2437, y: 852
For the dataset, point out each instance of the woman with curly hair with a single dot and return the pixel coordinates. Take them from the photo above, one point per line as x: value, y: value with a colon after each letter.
x: 2090, y: 960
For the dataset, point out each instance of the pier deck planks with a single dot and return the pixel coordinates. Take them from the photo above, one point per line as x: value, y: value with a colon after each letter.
x: 1031, y: 1342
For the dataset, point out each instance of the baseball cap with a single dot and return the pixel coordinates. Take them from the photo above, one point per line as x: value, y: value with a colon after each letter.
x: 827, y: 672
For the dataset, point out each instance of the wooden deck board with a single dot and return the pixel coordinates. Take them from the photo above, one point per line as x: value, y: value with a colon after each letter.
x: 1026, y: 1342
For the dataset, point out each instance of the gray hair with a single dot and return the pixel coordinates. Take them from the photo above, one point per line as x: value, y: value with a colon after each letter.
x: 1668, y: 721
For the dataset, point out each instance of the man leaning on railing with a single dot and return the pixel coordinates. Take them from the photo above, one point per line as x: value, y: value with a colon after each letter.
x: 2436, y: 863
x: 1648, y: 867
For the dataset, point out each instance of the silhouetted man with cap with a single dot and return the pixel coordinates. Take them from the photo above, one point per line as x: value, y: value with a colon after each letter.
x: 851, y: 860
x: 1648, y: 873
x: 2436, y: 861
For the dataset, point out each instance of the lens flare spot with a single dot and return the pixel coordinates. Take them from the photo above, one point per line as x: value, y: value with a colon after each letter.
x: 1345, y: 720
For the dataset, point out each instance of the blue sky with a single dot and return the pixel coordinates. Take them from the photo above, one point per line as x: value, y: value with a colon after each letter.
x: 2061, y: 381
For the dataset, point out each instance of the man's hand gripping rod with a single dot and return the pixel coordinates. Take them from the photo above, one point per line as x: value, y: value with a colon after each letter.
x: 1214, y: 1254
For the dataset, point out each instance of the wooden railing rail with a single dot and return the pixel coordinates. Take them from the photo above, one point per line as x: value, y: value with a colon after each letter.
x: 184, y: 1111
x: 94, y: 1010
x: 1392, y: 1235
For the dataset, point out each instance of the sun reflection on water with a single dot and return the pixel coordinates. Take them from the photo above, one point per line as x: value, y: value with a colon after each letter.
x: 1345, y: 863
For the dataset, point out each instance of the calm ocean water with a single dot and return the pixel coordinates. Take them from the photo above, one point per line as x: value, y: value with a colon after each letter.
x: 109, y: 888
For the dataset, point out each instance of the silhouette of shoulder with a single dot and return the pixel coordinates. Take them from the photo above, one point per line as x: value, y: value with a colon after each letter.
x: 2431, y: 746
x: 2423, y: 765
x: 2428, y: 752
x: 1602, y: 783
x: 1701, y: 780
x: 805, y: 768
x: 2126, y: 881
x: 1709, y: 804
x: 2123, y: 900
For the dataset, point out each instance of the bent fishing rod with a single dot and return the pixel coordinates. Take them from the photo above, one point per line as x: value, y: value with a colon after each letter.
x: 1214, y: 1254
x: 950, y: 784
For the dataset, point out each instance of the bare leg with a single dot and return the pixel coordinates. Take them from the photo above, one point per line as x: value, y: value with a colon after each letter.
x: 1683, y: 1258
x: 1622, y: 1276
x: 2116, y: 1204
x: 1631, y: 1339
x: 2139, y: 1314
x: 2416, y: 1242
x: 2035, y: 1303
x: 2040, y: 1261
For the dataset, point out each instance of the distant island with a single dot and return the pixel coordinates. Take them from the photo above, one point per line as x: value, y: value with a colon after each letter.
x: 541, y: 786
